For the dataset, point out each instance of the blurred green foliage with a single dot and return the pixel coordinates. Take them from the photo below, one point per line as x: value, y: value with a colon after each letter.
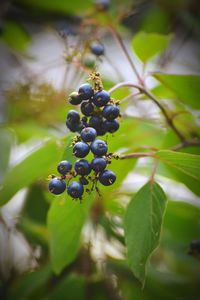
x: 83, y: 246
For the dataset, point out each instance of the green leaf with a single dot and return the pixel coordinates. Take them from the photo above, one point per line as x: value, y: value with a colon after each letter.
x: 6, y: 141
x: 15, y: 36
x: 147, y: 45
x: 71, y: 287
x: 36, y: 206
x: 186, y: 163
x: 186, y: 87
x: 29, y: 283
x: 65, y: 221
x: 39, y: 164
x: 142, y: 224
x: 59, y: 5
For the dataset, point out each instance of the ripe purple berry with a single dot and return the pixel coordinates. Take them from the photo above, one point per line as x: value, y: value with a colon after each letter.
x: 86, y: 91
x: 75, y: 190
x: 110, y: 112
x: 97, y: 49
x: 82, y: 167
x: 73, y: 117
x: 87, y: 108
x: 74, y: 98
x: 88, y: 134
x: 107, y: 177
x: 99, y: 148
x: 101, y: 98
x: 81, y: 149
x: 57, y: 186
x: 64, y: 167
x: 98, y: 164
x: 111, y: 126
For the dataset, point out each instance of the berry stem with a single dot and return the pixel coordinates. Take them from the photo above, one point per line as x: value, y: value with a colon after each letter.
x: 137, y: 155
x: 119, y: 40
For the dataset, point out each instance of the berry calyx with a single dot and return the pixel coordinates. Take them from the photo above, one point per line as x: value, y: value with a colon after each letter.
x: 82, y: 167
x: 57, y: 186
x: 81, y: 149
x: 64, y: 167
x: 88, y: 134
x: 99, y: 148
x: 107, y: 177
x: 75, y: 189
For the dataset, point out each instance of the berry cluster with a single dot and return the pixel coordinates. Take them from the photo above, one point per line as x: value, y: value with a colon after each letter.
x: 99, y: 117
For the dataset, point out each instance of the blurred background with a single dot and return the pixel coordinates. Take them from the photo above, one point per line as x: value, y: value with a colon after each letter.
x: 45, y: 54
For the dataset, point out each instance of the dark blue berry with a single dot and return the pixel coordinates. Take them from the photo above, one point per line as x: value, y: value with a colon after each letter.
x: 99, y: 147
x: 95, y: 122
x: 88, y: 134
x: 75, y: 189
x: 82, y: 167
x: 110, y: 112
x: 74, y: 98
x: 107, y: 177
x: 73, y: 117
x: 64, y: 167
x: 98, y: 164
x: 101, y: 131
x: 101, y: 98
x: 102, y: 5
x: 73, y: 127
x: 87, y: 108
x: 57, y: 186
x: 111, y: 126
x: 195, y: 245
x: 81, y: 149
x: 86, y: 91
x: 97, y: 49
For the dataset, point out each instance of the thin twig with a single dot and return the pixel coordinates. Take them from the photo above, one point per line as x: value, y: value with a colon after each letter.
x: 145, y: 91
x: 119, y: 40
x: 180, y: 146
x: 168, y: 119
x: 185, y: 144
x: 124, y: 84
x: 137, y: 155
x: 132, y: 95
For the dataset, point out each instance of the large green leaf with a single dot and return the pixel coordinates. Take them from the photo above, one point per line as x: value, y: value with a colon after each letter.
x: 59, y: 5
x: 186, y: 163
x: 39, y: 164
x: 142, y: 224
x: 186, y: 87
x: 147, y: 45
x: 65, y: 221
